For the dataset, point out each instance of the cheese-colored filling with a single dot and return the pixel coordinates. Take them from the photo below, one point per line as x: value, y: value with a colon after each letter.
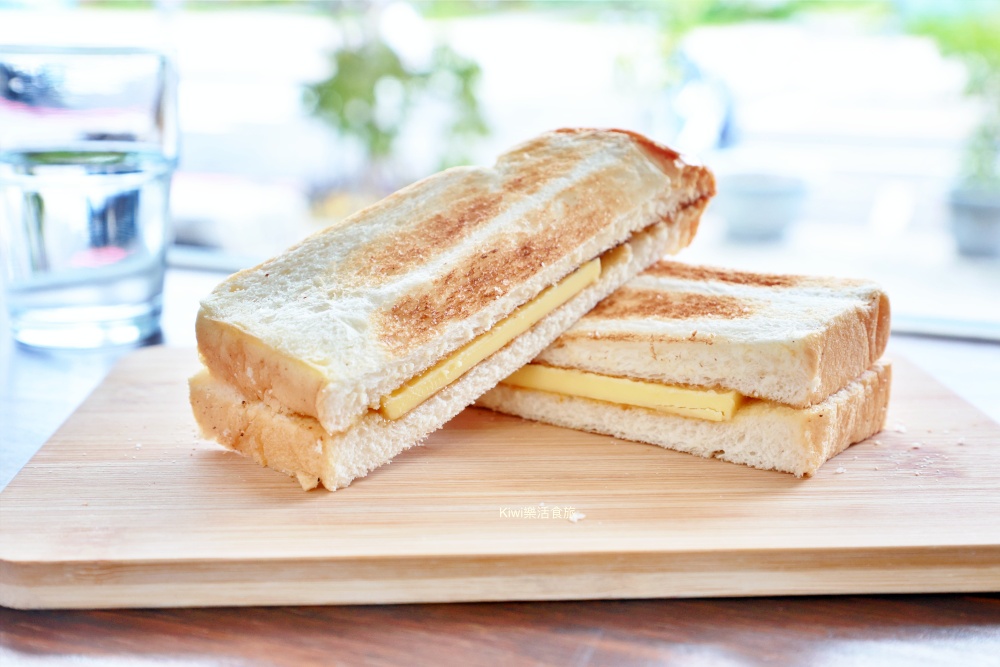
x: 422, y: 387
x: 710, y: 404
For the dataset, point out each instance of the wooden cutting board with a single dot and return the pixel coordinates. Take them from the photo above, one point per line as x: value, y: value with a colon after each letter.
x: 126, y: 507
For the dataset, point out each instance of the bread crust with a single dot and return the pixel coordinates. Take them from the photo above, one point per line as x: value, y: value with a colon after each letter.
x: 299, y: 445
x: 356, y: 310
x: 789, y: 339
x: 250, y: 366
x: 761, y: 434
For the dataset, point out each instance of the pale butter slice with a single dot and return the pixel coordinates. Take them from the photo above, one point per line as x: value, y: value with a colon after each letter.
x: 422, y: 387
x: 710, y: 404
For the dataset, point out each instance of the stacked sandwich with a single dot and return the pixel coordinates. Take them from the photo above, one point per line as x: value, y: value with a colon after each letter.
x: 772, y: 371
x: 332, y: 358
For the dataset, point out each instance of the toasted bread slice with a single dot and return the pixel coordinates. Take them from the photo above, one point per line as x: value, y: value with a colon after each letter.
x: 788, y: 339
x: 761, y: 434
x: 300, y: 446
x: 353, y: 312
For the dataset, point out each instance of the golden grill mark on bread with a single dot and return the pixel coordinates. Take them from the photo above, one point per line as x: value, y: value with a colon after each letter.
x: 471, y: 285
x: 468, y: 287
x: 527, y: 170
x: 478, y: 198
x: 399, y: 252
x: 796, y: 345
x: 423, y: 386
x: 465, y: 289
x: 633, y: 303
x: 681, y: 271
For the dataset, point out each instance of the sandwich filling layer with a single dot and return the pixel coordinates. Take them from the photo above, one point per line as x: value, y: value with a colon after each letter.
x: 709, y: 404
x: 422, y: 387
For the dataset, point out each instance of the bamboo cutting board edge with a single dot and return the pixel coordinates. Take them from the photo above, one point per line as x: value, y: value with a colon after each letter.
x: 571, y: 565
x: 504, y: 578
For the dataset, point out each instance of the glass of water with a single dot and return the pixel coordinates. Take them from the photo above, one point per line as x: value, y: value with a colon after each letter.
x: 88, y: 143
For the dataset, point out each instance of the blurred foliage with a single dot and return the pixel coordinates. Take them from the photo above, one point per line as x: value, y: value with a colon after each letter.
x: 347, y: 100
x: 974, y: 38
x: 467, y: 120
x: 683, y: 14
x: 371, y: 92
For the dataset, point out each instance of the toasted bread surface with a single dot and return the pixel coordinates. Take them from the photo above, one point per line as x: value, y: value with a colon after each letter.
x: 761, y: 434
x: 351, y: 313
x: 300, y: 446
x: 788, y: 339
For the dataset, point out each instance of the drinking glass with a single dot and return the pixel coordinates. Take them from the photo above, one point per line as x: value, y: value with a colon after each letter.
x: 88, y: 144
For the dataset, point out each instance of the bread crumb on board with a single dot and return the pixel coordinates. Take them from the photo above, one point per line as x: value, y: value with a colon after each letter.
x: 840, y: 471
x: 576, y: 516
x: 899, y: 428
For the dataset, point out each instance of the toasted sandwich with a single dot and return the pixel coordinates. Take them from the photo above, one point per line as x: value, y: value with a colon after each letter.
x: 772, y: 371
x: 330, y: 359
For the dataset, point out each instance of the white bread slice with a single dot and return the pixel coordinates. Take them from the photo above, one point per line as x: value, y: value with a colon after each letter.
x: 789, y: 339
x: 350, y: 314
x: 761, y: 434
x: 299, y: 445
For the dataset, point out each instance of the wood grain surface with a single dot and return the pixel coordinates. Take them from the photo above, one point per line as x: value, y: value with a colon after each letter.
x: 125, y: 506
x: 888, y: 631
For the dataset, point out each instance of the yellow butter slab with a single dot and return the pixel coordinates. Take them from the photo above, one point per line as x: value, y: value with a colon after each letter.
x: 419, y: 389
x: 707, y: 404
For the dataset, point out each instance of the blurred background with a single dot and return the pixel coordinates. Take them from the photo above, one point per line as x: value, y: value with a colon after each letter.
x: 849, y: 137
